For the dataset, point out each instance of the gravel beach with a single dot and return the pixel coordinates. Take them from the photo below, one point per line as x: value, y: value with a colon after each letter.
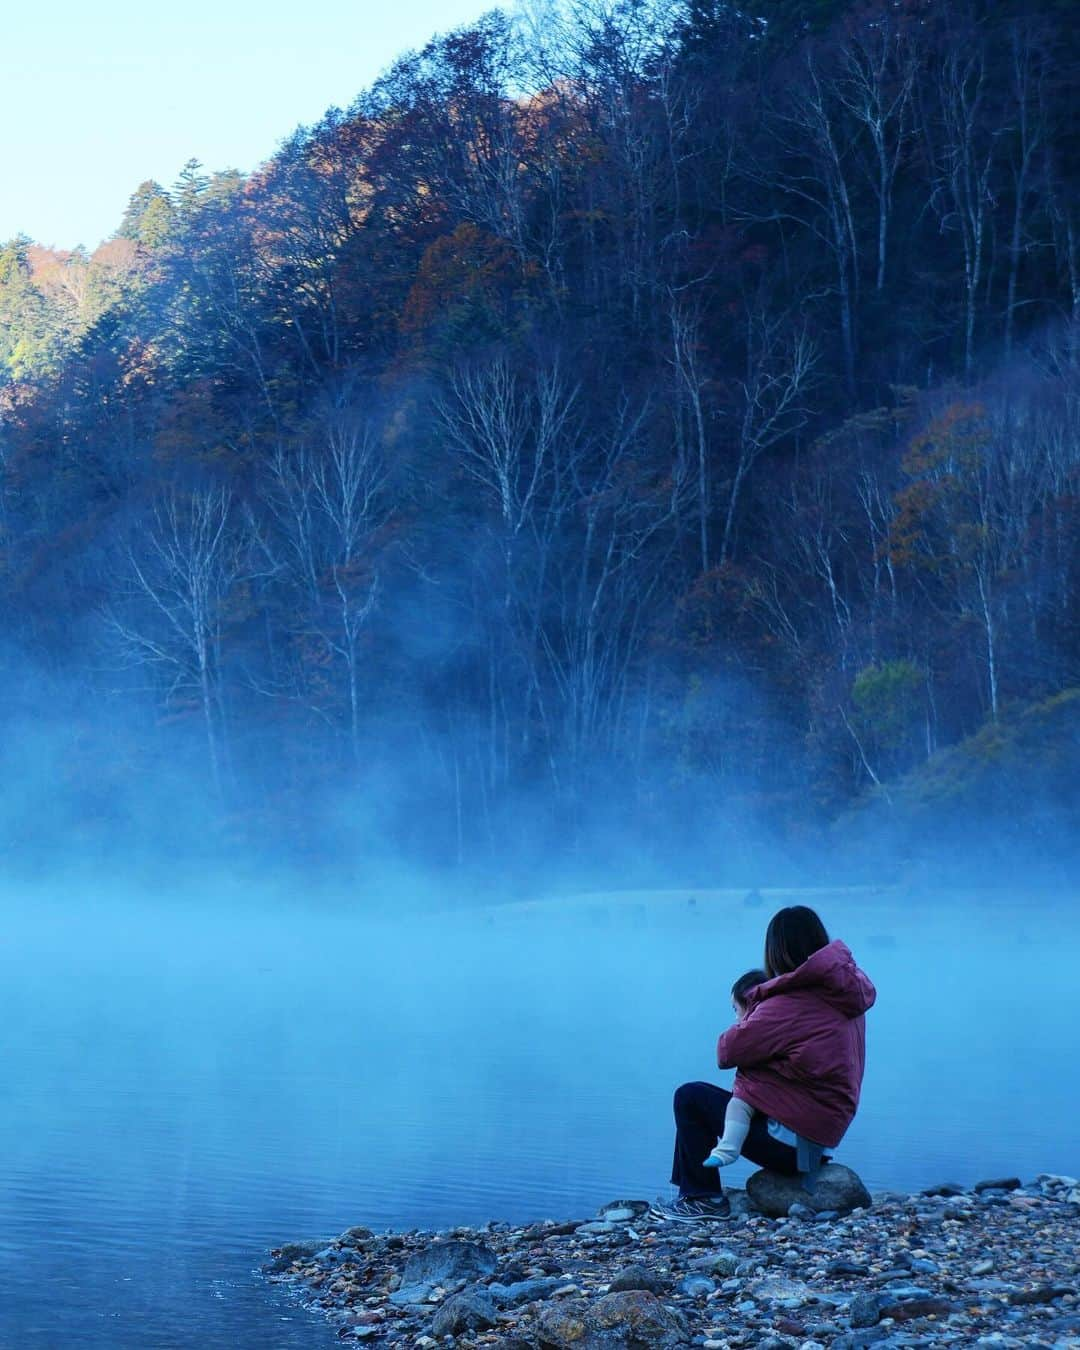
x: 997, y: 1264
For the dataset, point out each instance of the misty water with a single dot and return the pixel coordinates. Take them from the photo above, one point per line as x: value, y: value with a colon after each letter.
x: 187, y: 1084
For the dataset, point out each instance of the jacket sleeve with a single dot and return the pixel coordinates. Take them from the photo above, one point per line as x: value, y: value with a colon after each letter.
x: 764, y: 1034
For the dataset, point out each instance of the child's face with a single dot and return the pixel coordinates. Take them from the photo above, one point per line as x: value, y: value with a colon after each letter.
x: 739, y: 1009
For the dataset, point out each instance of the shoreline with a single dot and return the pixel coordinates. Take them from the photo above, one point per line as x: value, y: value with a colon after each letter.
x: 995, y: 1264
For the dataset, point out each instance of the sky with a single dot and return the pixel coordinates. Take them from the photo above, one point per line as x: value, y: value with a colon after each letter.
x: 94, y: 99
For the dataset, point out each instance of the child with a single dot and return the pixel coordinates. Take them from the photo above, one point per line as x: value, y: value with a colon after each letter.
x: 739, y: 1114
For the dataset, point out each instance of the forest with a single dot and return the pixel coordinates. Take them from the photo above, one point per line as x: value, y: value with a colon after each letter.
x: 630, y: 427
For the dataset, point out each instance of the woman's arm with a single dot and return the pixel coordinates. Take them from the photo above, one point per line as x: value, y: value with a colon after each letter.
x: 765, y: 1033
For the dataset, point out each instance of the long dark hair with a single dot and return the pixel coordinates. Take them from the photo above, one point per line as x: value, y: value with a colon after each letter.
x: 793, y: 935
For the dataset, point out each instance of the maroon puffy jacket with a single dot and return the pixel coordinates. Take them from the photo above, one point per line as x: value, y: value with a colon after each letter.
x: 801, y: 1048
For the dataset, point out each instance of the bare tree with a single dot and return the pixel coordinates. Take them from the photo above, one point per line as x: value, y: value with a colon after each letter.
x: 812, y: 140
x: 1027, y: 65
x: 181, y: 574
x: 329, y: 500
x: 579, y: 525
x: 517, y: 438
x: 770, y: 403
x: 962, y: 148
x: 689, y: 407
x: 875, y: 84
x: 605, y: 581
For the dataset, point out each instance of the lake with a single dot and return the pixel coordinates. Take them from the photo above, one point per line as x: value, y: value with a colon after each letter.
x: 188, y: 1084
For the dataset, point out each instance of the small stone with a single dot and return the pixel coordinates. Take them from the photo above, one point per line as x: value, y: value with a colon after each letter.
x: 889, y: 1276
x: 696, y: 1286
x: 865, y: 1310
x: 738, y: 1203
x: 716, y: 1263
x: 1044, y: 1294
x: 982, y: 1267
x: 946, y: 1188
x: 281, y: 1258
x: 636, y: 1277
x: 781, y: 1290
x: 409, y: 1294
x: 623, y: 1211
x: 797, y: 1210
x: 899, y: 1291
x: 844, y: 1267
x: 523, y: 1291
x: 917, y: 1307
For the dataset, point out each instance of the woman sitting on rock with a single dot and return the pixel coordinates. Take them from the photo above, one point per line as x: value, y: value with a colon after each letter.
x: 799, y: 1051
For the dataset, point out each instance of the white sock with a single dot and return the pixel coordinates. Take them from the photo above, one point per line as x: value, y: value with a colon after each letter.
x: 737, y: 1120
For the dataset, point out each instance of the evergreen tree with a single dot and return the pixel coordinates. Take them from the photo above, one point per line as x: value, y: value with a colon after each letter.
x: 26, y: 335
x: 148, y: 215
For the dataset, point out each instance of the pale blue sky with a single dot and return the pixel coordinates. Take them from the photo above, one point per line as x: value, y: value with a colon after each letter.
x: 96, y: 98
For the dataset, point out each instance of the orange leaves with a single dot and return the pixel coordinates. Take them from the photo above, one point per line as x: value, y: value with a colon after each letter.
x: 914, y: 505
x: 954, y: 437
x: 931, y: 523
x: 467, y: 268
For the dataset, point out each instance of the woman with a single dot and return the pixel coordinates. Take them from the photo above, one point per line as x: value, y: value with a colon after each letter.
x: 799, y: 1052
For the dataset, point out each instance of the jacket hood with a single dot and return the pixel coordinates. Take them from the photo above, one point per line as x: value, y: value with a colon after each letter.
x: 832, y: 974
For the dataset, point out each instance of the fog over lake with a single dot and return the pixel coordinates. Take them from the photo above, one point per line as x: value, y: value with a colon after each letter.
x: 189, y: 1081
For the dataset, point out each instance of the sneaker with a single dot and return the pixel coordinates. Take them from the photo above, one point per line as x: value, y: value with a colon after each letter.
x: 693, y: 1209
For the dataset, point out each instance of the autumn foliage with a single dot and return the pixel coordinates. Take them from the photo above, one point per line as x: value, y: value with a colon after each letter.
x: 645, y: 420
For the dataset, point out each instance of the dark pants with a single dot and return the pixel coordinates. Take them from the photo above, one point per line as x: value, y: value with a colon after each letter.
x: 699, y: 1123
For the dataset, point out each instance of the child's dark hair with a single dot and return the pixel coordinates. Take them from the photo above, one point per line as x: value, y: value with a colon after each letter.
x: 745, y: 983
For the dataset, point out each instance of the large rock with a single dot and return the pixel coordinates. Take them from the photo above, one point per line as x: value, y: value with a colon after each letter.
x: 471, y: 1311
x: 632, y: 1320
x: 442, y: 1262
x: 834, y: 1187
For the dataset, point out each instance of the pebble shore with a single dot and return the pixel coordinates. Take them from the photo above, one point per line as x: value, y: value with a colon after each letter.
x: 995, y: 1265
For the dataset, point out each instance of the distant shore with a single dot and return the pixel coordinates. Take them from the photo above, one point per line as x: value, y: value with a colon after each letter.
x: 997, y: 1264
